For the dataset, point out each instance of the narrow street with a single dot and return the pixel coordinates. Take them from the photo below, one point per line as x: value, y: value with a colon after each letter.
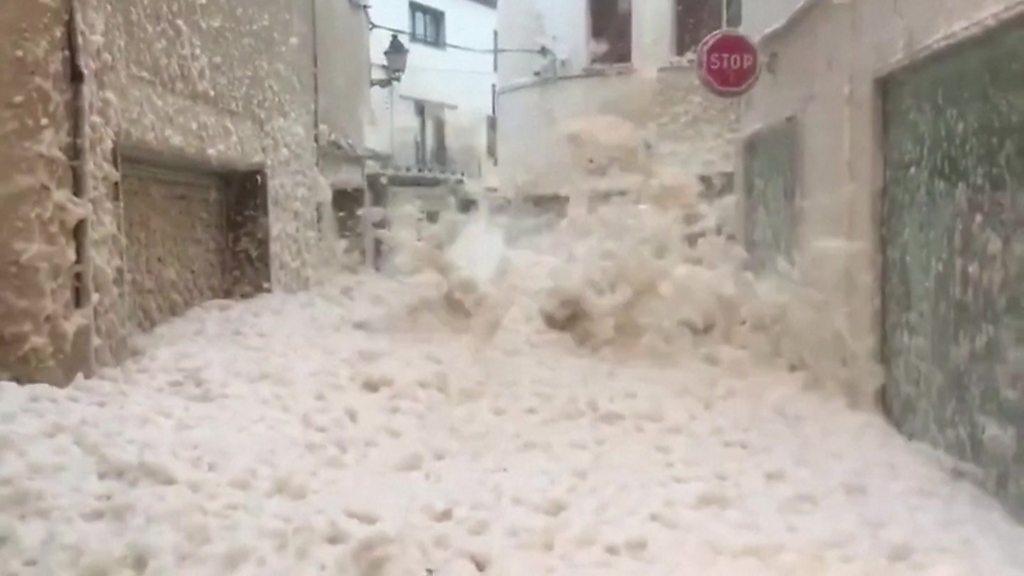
x: 355, y: 431
x: 512, y: 288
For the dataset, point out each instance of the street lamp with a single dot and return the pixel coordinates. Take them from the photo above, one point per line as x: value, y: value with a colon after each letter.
x: 397, y: 57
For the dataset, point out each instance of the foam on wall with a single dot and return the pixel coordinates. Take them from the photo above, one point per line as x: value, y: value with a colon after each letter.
x: 202, y: 86
x: 38, y: 210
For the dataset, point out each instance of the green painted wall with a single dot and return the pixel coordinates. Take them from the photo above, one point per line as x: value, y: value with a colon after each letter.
x: 953, y: 215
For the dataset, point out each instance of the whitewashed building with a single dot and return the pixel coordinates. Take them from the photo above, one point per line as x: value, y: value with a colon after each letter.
x: 613, y: 62
x: 162, y: 153
x: 440, y: 117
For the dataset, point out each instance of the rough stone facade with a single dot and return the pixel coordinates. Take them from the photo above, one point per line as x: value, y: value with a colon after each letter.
x: 206, y: 87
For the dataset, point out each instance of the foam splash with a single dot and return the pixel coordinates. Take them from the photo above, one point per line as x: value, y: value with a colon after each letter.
x: 667, y: 279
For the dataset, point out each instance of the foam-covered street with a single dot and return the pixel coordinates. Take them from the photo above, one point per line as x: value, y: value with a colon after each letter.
x: 360, y: 431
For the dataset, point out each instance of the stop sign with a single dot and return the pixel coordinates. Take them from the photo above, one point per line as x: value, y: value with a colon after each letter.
x: 729, y: 63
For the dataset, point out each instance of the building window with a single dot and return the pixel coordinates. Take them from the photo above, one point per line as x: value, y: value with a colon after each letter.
x: 347, y: 206
x: 427, y: 25
x: 611, y: 31
x: 697, y: 19
x: 439, y: 151
x: 431, y: 141
x: 734, y: 13
x: 422, y: 149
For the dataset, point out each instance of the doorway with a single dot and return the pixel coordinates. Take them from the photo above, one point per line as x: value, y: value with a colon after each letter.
x: 191, y: 236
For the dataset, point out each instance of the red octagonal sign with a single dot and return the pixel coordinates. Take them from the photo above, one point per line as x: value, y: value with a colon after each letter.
x: 729, y: 63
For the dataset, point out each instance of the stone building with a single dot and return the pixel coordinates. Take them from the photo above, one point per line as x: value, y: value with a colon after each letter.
x: 161, y: 153
x: 882, y: 156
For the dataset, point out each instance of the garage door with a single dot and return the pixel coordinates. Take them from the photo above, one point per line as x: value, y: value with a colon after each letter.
x: 177, y: 242
x: 954, y: 320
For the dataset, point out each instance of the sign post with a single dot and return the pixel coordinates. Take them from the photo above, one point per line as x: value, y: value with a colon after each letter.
x: 729, y: 63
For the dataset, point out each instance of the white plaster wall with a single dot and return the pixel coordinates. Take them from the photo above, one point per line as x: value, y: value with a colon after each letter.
x: 564, y: 28
x: 560, y: 26
x: 761, y: 15
x: 344, y: 65
x: 535, y: 154
x: 827, y: 61
x: 458, y: 79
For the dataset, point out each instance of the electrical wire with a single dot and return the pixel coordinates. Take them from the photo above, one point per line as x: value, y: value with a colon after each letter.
x: 542, y: 51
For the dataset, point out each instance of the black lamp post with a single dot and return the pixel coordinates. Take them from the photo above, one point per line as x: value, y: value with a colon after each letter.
x: 397, y: 58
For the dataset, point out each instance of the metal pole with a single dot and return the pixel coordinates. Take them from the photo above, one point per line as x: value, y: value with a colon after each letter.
x: 369, y: 233
x: 391, y: 96
x: 316, y: 84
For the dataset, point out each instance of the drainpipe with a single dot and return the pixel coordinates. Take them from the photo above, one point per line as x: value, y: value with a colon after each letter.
x: 391, y: 123
x: 316, y: 83
x: 81, y: 184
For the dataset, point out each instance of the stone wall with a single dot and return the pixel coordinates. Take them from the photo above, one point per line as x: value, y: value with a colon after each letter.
x: 205, y: 85
x: 208, y: 86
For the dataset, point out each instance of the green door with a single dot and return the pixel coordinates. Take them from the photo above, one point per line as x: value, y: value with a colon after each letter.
x: 954, y: 255
x: 769, y: 194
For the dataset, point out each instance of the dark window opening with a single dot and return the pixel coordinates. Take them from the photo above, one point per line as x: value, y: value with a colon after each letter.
x: 78, y: 281
x: 698, y: 19
x: 421, y: 133
x: 431, y: 143
x: 439, y: 153
x: 492, y: 138
x: 191, y: 235
x: 248, y: 228
x: 427, y: 25
x: 611, y: 31
x: 734, y: 13
x: 347, y: 205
